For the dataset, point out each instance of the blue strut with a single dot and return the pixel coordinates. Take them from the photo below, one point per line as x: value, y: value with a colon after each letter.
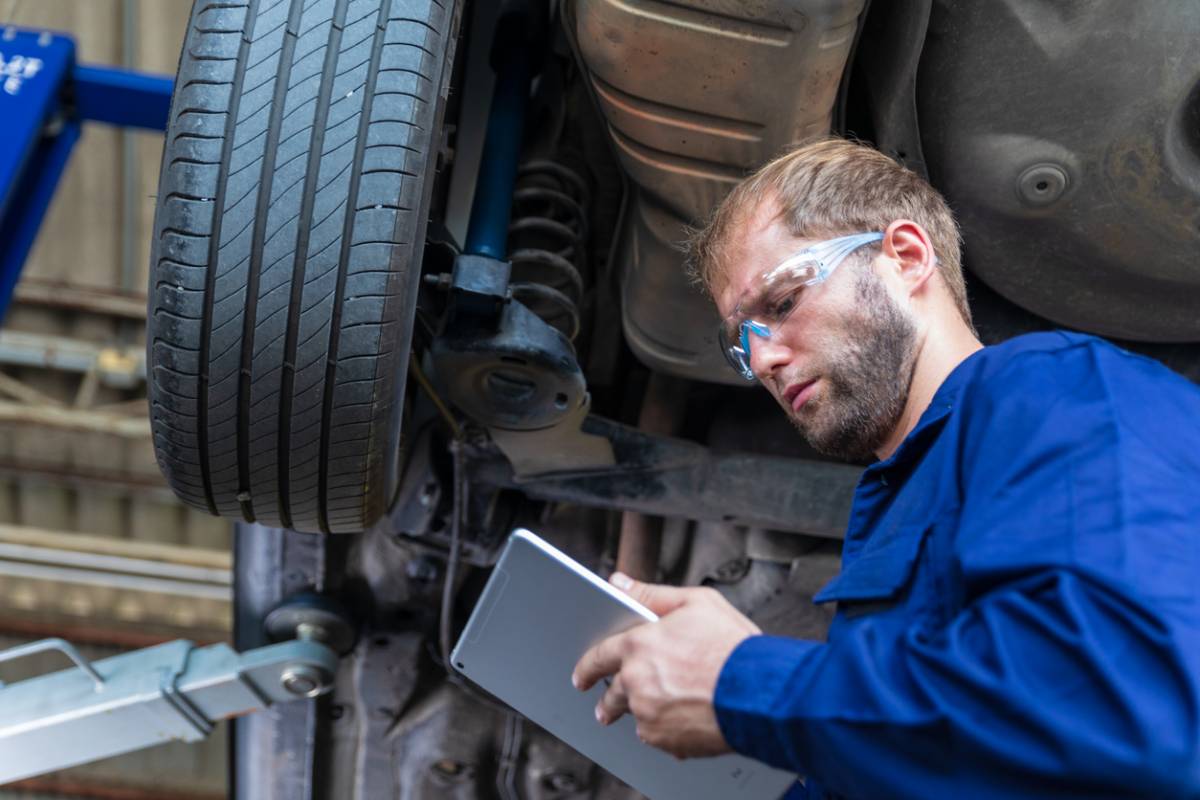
x: 487, y: 231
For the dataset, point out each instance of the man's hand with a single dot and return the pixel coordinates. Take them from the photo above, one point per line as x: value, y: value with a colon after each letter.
x: 665, y: 673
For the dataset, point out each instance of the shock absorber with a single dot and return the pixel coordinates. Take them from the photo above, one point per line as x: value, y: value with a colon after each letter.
x: 504, y: 354
x: 546, y: 242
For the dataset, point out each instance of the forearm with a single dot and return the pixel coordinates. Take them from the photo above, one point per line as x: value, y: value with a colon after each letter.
x: 1052, y: 682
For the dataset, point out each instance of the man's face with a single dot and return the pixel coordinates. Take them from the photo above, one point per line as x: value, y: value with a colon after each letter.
x: 841, y: 363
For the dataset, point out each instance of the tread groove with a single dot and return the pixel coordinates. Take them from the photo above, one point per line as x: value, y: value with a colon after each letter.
x: 245, y: 495
x: 210, y: 276
x: 364, y: 121
x: 303, y: 233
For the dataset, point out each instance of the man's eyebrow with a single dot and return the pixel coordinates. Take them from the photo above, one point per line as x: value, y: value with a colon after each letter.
x: 752, y: 300
x: 739, y: 301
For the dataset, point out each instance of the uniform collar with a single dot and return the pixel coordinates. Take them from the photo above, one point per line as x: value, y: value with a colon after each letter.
x: 945, y: 399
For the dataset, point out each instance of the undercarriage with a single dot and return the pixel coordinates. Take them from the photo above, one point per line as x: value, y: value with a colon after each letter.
x: 418, y: 281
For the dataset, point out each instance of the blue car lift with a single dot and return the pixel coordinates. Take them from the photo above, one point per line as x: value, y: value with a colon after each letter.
x: 175, y: 690
x: 45, y: 97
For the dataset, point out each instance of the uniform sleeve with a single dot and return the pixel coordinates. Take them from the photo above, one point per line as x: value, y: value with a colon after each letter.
x: 1050, y: 680
x: 1065, y: 660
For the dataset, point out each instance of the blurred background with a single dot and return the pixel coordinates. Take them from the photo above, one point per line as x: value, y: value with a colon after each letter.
x: 93, y: 546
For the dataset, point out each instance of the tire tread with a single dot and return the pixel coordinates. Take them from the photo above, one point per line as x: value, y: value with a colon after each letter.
x: 299, y: 133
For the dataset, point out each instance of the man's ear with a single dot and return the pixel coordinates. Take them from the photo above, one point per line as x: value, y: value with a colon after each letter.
x: 908, y: 245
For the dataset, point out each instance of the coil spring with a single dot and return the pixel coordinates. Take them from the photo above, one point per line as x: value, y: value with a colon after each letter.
x: 547, y: 242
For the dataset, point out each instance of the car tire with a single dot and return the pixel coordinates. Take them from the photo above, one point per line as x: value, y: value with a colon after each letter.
x: 290, y: 222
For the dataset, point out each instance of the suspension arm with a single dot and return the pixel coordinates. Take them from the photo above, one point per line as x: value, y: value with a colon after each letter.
x: 677, y: 478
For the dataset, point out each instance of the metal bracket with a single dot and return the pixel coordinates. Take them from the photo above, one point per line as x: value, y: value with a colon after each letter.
x: 562, y: 447
x: 135, y: 700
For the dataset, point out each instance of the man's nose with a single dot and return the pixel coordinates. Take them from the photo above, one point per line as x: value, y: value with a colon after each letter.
x: 768, y: 355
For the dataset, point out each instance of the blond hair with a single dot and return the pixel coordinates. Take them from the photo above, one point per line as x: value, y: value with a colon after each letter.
x: 829, y: 188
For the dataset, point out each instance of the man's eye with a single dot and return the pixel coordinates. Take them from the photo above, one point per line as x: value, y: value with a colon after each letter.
x: 783, y: 305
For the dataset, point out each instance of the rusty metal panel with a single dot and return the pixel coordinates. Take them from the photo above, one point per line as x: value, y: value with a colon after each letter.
x: 63, y: 442
x: 112, y: 590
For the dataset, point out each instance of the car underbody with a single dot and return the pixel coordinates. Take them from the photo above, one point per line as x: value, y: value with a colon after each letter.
x: 570, y: 382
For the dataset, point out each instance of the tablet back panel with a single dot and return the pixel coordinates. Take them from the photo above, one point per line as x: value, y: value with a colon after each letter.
x: 538, y: 614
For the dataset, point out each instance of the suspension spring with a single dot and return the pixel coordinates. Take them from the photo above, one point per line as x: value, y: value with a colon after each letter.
x: 547, y: 239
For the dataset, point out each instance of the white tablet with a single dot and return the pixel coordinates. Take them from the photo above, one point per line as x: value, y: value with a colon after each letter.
x: 538, y: 614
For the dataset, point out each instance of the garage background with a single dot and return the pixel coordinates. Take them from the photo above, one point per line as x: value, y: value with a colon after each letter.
x: 78, y: 482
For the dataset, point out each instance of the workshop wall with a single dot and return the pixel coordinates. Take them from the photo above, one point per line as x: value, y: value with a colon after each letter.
x: 77, y: 469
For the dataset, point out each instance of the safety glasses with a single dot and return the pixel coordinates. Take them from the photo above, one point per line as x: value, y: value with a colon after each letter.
x: 778, y: 294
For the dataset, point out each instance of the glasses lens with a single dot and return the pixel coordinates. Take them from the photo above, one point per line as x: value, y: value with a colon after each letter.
x: 802, y: 268
x: 780, y: 292
x: 773, y: 304
x: 735, y: 354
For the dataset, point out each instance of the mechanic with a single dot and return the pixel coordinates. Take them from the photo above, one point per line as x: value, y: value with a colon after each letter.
x: 1018, y: 606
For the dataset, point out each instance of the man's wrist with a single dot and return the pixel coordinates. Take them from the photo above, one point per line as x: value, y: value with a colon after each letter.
x: 749, y: 698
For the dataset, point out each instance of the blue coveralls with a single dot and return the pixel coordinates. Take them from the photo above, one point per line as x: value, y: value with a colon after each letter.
x: 1018, y: 607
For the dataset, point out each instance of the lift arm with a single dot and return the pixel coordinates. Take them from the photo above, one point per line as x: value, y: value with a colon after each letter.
x: 143, y: 698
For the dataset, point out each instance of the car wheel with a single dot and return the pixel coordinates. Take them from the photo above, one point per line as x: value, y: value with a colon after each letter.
x: 290, y: 219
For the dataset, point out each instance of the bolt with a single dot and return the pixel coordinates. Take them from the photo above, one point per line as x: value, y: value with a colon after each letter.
x: 441, y: 281
x: 310, y: 632
x: 732, y: 571
x: 449, y: 769
x: 562, y: 783
x: 422, y: 570
x: 1042, y: 184
x: 303, y: 680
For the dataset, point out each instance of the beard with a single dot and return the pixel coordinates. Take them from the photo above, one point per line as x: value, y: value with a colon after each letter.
x: 868, y: 369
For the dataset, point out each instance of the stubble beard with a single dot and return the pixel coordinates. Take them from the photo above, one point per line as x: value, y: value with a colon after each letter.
x: 867, y: 372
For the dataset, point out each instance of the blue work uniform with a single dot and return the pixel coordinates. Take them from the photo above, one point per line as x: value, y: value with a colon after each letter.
x: 1018, y: 606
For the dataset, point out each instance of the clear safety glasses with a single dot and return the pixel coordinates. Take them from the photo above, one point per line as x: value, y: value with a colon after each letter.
x: 778, y: 294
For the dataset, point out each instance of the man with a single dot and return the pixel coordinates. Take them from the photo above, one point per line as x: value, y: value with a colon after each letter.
x: 1018, y: 607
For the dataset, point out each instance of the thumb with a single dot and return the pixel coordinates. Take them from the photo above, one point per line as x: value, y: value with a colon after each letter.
x: 655, y: 596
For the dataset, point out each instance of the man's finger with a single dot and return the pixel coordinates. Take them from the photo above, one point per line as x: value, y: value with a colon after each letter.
x: 614, y: 704
x: 655, y: 596
x: 599, y: 662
